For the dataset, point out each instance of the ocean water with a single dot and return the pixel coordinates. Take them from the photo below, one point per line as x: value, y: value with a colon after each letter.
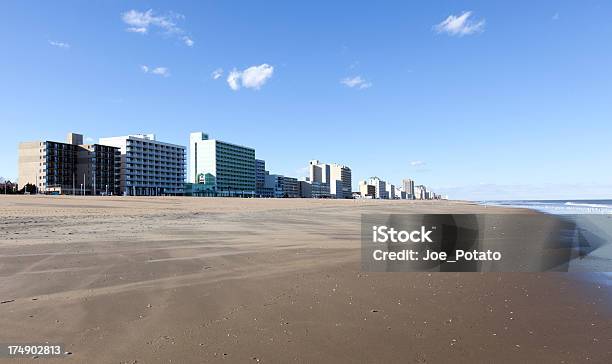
x: 559, y: 207
x: 592, y: 219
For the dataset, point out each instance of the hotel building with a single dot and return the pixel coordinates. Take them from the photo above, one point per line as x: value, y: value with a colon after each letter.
x: 274, y: 185
x: 305, y: 189
x: 336, y: 176
x: 366, y: 190
x: 419, y: 192
x: 232, y: 165
x: 399, y: 193
x: 380, y: 187
x: 291, y: 187
x: 149, y: 167
x: 260, y: 177
x: 408, y: 185
x: 390, y: 191
x: 69, y: 168
x: 100, y: 167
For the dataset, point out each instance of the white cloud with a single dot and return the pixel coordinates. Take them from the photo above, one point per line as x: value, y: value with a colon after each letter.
x: 160, y: 71
x: 460, y: 25
x: 188, y: 41
x: 141, y: 30
x: 59, y: 44
x: 253, y: 77
x: 233, y: 80
x: 256, y: 76
x: 217, y: 74
x: 356, y: 81
x: 417, y: 163
x: 140, y: 22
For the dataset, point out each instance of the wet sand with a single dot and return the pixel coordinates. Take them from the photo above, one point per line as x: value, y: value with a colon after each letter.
x: 147, y: 280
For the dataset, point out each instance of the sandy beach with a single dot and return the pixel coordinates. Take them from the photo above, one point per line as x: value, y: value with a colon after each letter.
x: 181, y: 280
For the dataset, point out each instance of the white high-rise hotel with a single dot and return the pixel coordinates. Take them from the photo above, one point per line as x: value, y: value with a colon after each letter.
x: 380, y: 187
x: 409, y: 188
x: 149, y: 167
x: 231, y: 165
x: 337, y: 176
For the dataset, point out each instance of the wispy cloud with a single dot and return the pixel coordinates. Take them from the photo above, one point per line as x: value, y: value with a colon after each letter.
x: 217, y: 74
x: 141, y: 30
x: 253, y: 77
x: 460, y: 25
x: 555, y: 17
x: 141, y: 22
x: 59, y: 44
x: 417, y: 163
x: 160, y: 71
x: 356, y: 82
x: 188, y: 41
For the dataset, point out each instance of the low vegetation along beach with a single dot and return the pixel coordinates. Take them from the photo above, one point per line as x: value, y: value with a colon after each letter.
x: 142, y: 280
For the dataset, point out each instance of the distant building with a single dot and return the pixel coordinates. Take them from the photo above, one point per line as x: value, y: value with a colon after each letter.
x: 399, y: 194
x: 270, y: 186
x: 318, y: 172
x: 149, y: 167
x: 408, y: 187
x: 390, y: 191
x: 260, y: 177
x: 69, y: 168
x: 342, y: 174
x: 380, y: 187
x: 309, y: 189
x: 420, y: 192
x: 290, y: 187
x: 274, y: 184
x: 232, y: 165
x: 366, y: 190
x: 320, y: 190
x: 101, y: 167
x: 305, y: 189
x: 336, y: 176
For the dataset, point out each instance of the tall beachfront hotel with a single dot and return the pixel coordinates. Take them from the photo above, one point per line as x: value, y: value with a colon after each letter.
x: 149, y: 167
x: 408, y: 188
x: 337, y: 177
x: 232, y: 166
x: 69, y: 167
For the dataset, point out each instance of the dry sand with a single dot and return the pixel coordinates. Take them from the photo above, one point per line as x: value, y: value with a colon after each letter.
x: 181, y: 280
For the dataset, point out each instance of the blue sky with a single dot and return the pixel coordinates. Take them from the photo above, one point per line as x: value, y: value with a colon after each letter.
x: 478, y: 99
